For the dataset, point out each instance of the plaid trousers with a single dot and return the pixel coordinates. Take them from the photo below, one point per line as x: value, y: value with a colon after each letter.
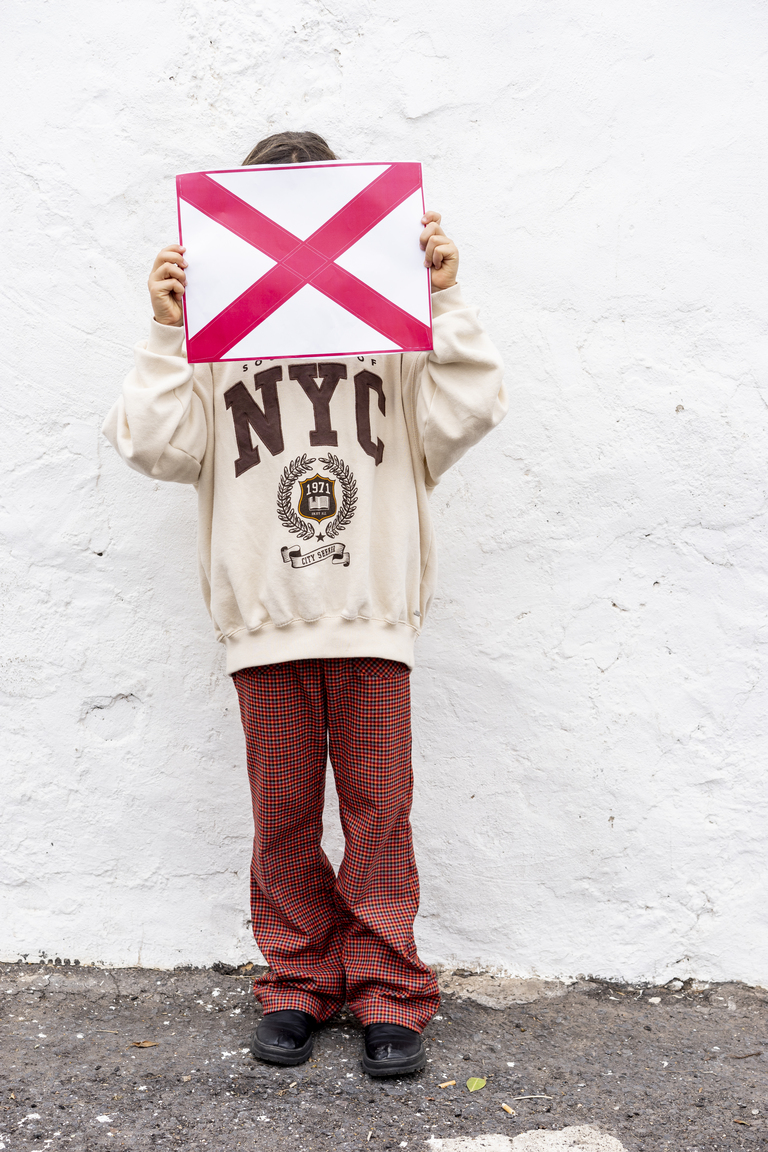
x: 329, y: 939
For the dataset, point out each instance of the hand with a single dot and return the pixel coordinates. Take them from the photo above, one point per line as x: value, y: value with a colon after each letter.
x: 166, y: 285
x: 440, y: 254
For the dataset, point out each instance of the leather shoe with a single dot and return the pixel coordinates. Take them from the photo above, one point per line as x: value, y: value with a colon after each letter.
x: 284, y: 1037
x: 391, y: 1050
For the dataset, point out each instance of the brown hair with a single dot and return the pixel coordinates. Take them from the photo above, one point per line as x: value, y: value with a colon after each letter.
x: 290, y: 148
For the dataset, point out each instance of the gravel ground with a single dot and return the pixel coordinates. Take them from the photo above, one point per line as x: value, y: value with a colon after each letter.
x: 682, y: 1067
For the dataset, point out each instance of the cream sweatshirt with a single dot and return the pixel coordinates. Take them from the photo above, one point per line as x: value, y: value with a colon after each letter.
x: 313, y: 481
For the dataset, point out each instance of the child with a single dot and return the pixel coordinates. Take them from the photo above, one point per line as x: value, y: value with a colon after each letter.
x: 287, y: 455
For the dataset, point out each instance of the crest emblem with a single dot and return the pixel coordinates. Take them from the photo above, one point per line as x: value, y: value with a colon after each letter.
x: 318, y: 498
x: 317, y: 502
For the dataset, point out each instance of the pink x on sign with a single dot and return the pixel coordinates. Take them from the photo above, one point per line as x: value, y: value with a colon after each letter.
x: 304, y: 260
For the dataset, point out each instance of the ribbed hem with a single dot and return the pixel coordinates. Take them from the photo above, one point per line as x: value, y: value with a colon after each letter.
x: 330, y: 638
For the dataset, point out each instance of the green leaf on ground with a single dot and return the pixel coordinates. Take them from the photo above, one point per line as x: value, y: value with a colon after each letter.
x: 475, y: 1083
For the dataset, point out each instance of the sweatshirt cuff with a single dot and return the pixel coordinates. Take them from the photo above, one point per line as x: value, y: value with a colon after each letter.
x: 165, y: 339
x: 446, y: 300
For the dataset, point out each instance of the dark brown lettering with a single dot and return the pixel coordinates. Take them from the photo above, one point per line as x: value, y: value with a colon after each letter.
x: 366, y: 381
x: 320, y: 396
x: 247, y: 414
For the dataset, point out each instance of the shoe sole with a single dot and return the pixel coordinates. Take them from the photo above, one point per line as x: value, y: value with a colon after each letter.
x: 286, y: 1056
x: 380, y: 1068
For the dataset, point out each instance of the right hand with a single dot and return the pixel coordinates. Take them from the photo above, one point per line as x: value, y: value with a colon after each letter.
x: 166, y: 285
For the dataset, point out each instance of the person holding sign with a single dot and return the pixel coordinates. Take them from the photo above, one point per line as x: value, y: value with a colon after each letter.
x: 317, y: 560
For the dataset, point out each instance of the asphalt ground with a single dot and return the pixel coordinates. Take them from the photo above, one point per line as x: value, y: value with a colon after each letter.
x: 133, y: 1058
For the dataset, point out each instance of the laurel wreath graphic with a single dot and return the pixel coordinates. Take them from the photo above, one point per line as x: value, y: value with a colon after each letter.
x: 289, y: 518
x: 340, y: 470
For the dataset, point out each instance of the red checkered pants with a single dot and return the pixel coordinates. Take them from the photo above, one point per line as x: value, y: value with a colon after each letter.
x: 331, y: 938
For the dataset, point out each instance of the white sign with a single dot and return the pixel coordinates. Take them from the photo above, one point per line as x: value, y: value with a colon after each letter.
x: 304, y: 260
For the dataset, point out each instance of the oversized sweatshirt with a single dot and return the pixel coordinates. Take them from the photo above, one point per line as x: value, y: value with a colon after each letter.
x: 313, y: 479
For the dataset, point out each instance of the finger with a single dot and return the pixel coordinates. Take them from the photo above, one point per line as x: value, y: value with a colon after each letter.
x: 166, y: 270
x: 439, y: 240
x: 441, y: 243
x: 164, y: 287
x: 429, y: 215
x: 431, y: 230
x: 445, y: 254
x: 173, y: 253
x: 167, y: 288
x: 434, y: 227
x: 173, y: 258
x: 175, y: 270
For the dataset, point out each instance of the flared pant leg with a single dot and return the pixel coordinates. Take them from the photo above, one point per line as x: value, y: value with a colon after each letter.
x: 328, y: 938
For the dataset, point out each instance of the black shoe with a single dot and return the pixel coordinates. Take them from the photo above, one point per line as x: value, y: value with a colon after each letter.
x: 284, y: 1037
x: 391, y: 1050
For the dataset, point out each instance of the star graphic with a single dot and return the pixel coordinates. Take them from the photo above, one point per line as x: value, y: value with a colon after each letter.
x: 320, y: 536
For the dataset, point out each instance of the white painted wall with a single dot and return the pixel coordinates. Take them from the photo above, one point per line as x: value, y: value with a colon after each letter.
x: 590, y: 700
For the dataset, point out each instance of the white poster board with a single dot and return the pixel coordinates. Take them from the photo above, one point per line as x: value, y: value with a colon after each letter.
x: 304, y: 260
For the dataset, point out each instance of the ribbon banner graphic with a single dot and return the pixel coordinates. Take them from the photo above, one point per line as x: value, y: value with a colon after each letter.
x: 304, y: 260
x: 334, y: 551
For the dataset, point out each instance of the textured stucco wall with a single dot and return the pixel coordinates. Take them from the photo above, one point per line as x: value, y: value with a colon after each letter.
x: 590, y: 699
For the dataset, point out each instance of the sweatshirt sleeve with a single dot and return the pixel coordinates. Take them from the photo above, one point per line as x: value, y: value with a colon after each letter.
x: 456, y: 390
x: 158, y: 425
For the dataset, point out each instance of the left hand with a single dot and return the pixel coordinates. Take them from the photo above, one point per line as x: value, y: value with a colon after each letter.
x: 440, y: 254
